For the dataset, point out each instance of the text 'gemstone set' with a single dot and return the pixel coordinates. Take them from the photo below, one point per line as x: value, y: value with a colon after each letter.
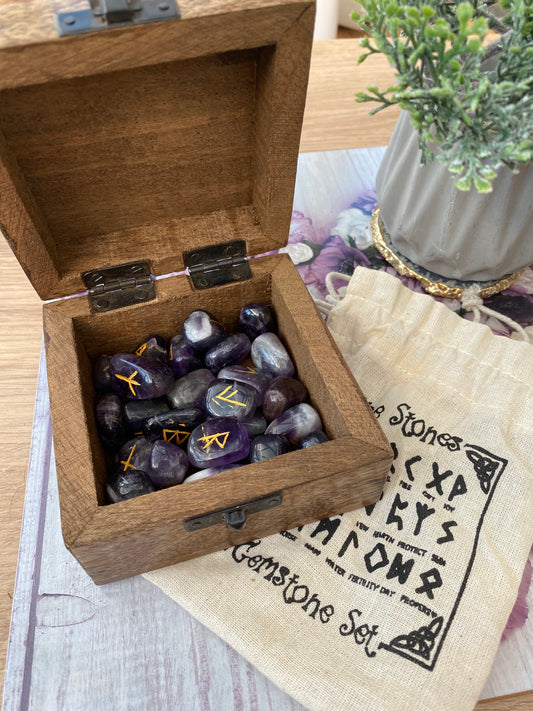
x: 206, y: 402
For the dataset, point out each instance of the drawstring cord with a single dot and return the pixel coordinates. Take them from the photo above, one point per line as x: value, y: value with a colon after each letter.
x: 471, y: 301
x: 333, y: 296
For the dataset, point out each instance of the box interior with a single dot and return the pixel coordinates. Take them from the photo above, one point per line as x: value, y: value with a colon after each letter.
x: 125, y: 329
x: 149, y: 162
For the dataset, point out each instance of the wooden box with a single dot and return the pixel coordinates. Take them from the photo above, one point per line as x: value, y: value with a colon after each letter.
x: 144, y: 142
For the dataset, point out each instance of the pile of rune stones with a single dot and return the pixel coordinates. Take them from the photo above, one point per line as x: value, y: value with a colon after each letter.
x: 206, y: 401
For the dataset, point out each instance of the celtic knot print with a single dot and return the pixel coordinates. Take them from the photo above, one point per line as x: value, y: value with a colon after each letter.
x: 486, y: 465
x: 420, y: 641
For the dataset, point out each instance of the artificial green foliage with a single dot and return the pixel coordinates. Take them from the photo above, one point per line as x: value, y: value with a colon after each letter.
x: 472, y: 119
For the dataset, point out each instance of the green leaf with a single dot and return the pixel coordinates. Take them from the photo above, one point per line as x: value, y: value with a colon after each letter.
x: 463, y: 183
x: 465, y: 12
x: 474, y: 45
x: 482, y: 185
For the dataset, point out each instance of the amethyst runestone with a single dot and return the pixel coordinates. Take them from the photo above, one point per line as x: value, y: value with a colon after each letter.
x: 190, y: 390
x: 168, y: 464
x: 256, y: 318
x: 267, y: 446
x: 127, y: 485
x: 269, y: 354
x: 282, y: 393
x: 137, y: 378
x: 226, y: 398
x: 232, y: 349
x: 296, y: 423
x: 218, y: 442
x: 201, y: 331
x: 182, y: 358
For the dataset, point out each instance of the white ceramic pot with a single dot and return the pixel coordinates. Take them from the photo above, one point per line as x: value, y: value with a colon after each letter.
x: 464, y: 236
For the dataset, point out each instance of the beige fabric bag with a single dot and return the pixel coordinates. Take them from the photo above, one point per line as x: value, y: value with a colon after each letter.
x: 401, y: 605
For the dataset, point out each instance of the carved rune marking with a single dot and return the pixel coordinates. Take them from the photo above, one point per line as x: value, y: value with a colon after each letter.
x: 221, y: 397
x: 131, y: 382
x: 127, y: 463
x: 140, y: 350
x: 170, y: 352
x: 169, y: 435
x: 247, y: 369
x: 212, y: 439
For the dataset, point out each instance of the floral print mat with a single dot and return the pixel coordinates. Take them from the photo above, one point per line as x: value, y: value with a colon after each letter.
x: 330, y: 232
x: 344, y: 244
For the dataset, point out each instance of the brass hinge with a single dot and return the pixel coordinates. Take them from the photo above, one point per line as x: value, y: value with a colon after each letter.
x: 114, y: 287
x: 104, y: 14
x: 218, y: 264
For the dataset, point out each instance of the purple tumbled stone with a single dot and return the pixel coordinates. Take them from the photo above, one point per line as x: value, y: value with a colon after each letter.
x: 181, y: 357
x: 267, y: 446
x: 202, y: 331
x: 174, y: 426
x: 296, y: 422
x: 203, y: 473
x: 168, y: 464
x: 228, y: 398
x: 245, y: 374
x: 218, y: 442
x: 127, y: 485
x: 233, y: 349
x: 137, y: 378
x: 255, y: 425
x: 316, y: 437
x: 136, y: 412
x: 154, y: 348
x: 256, y: 318
x: 101, y: 374
x: 135, y: 454
x: 282, y: 393
x: 190, y: 390
x: 109, y: 420
x: 269, y: 354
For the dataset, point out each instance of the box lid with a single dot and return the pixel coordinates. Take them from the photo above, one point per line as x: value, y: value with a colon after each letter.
x: 144, y: 142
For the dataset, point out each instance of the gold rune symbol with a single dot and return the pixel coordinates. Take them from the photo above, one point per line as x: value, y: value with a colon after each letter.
x: 131, y: 382
x: 221, y: 397
x: 169, y: 435
x: 246, y: 369
x: 170, y: 352
x: 140, y: 350
x: 211, y: 439
x: 127, y: 463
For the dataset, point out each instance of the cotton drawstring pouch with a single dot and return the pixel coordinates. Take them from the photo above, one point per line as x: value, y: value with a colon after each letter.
x: 400, y: 605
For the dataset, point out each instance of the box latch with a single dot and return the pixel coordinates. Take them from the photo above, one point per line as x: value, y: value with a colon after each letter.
x: 114, y: 287
x: 218, y: 264
x: 234, y: 517
x: 104, y: 14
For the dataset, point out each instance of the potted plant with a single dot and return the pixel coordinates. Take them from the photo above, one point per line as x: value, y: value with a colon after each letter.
x: 455, y: 188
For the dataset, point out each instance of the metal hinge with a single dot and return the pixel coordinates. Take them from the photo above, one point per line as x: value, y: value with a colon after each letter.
x: 234, y: 517
x: 104, y: 14
x: 115, y: 287
x: 218, y: 264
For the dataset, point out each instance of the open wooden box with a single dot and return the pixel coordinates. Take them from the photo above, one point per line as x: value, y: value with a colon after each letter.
x: 144, y: 143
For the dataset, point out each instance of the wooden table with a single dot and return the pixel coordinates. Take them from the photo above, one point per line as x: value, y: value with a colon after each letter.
x: 332, y: 121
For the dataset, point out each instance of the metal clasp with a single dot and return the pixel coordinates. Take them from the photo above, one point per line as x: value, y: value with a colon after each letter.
x: 235, y: 517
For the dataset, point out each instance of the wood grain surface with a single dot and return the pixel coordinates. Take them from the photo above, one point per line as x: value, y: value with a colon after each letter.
x: 332, y: 121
